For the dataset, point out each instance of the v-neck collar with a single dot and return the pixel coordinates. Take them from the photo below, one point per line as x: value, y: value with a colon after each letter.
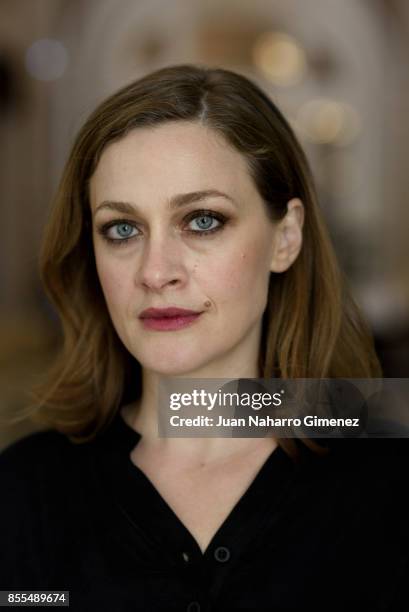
x: 144, y: 506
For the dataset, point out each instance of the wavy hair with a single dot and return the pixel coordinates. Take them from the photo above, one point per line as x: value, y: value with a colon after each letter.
x: 311, y: 327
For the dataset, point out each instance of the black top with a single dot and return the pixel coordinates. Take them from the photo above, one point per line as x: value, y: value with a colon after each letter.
x: 324, y: 534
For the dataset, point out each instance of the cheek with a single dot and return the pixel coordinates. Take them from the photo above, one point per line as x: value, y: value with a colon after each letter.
x: 251, y: 271
x: 113, y: 281
x: 236, y: 272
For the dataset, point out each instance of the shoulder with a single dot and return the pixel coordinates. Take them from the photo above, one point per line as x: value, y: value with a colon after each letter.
x: 24, y: 454
x: 363, y: 465
x: 384, y: 454
x: 372, y: 473
x: 37, y: 459
x: 38, y: 474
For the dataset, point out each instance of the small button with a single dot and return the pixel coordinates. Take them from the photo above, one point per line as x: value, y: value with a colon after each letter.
x: 185, y: 556
x: 222, y: 554
x: 194, y: 606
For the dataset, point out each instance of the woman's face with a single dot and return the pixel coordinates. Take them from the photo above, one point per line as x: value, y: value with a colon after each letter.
x: 159, y: 245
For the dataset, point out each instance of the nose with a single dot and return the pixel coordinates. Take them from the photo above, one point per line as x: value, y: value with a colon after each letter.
x: 162, y: 264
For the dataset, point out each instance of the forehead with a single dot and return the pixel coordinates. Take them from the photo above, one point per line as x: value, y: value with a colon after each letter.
x: 165, y: 159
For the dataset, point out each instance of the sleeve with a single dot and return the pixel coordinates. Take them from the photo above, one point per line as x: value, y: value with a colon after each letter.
x: 21, y: 530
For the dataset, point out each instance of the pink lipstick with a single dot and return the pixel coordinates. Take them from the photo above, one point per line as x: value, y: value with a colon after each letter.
x: 168, y: 319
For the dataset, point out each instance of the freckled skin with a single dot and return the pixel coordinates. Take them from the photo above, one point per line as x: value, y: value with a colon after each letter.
x: 225, y: 274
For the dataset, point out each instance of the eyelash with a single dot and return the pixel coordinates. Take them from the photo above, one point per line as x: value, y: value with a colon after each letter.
x: 103, y: 230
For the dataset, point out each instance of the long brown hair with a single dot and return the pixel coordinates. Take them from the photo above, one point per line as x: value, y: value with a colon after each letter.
x: 311, y: 327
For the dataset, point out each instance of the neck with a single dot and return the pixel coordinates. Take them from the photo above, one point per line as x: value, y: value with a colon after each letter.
x: 143, y: 417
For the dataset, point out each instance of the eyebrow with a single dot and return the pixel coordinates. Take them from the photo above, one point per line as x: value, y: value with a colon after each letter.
x: 176, y: 201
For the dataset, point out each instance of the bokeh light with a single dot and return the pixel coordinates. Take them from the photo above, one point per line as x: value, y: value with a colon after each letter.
x: 279, y: 58
x: 325, y: 121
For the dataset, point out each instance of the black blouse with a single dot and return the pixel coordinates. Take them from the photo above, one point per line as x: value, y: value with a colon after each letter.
x: 322, y: 534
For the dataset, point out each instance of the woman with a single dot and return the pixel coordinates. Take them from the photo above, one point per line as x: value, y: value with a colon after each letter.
x: 186, y: 241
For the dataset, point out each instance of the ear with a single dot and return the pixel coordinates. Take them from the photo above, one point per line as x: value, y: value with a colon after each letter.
x: 287, y: 240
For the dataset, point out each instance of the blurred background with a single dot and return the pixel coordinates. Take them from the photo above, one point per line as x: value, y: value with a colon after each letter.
x: 338, y: 71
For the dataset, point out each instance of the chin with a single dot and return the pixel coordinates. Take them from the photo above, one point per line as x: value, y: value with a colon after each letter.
x: 170, y: 368
x: 170, y: 363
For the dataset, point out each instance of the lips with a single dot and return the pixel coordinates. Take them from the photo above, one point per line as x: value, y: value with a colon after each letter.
x: 161, y: 313
x: 168, y: 319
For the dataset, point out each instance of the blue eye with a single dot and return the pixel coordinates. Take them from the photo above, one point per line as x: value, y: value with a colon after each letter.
x: 204, y: 222
x: 124, y: 229
x: 123, y: 232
